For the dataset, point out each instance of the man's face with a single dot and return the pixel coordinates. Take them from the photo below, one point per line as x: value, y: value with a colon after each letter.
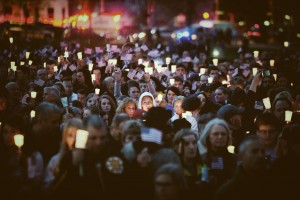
x: 50, y: 70
x: 267, y: 135
x: 134, y: 93
x: 96, y: 140
x: 180, y: 71
x: 254, y: 157
x: 179, y: 85
x: 214, y: 74
x: 144, y: 87
x: 80, y: 78
x: 177, y: 107
x: 203, y: 80
x: 47, y: 96
x: 190, y: 146
x: 42, y: 74
x: 97, y: 74
x: 81, y: 98
x: 130, y: 109
x: 68, y: 87
x: 220, y: 96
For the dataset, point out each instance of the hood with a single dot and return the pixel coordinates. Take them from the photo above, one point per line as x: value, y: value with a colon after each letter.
x: 144, y: 95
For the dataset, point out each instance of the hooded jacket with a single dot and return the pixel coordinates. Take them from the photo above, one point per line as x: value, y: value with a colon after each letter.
x: 146, y: 94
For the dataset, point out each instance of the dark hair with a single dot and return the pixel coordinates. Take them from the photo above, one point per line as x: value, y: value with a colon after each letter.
x: 83, y: 91
x: 133, y: 83
x: 178, y: 79
x: 95, y: 122
x: 266, y: 119
x: 173, y: 89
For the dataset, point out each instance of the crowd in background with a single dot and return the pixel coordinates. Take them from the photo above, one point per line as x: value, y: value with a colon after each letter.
x: 163, y: 123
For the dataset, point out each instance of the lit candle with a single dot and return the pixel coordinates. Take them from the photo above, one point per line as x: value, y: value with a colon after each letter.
x: 286, y: 44
x: 172, y: 81
x: 12, y: 64
x: 81, y: 139
x: 150, y: 70
x: 58, y: 59
x: 44, y: 64
x: 210, y: 79
x: 288, y: 115
x: 32, y: 114
x: 55, y: 68
x: 158, y: 68
x: 27, y: 54
x: 66, y: 55
x: 11, y: 40
x: 90, y: 67
x: 97, y: 91
x: 19, y: 140
x: 202, y: 71
x: 33, y: 94
x: 22, y: 63
x: 93, y: 77
x: 230, y: 149
x: 159, y: 97
x: 215, y: 61
x: 267, y: 103
x: 140, y: 61
x: 255, y: 53
x: 168, y: 60
x: 275, y: 77
x: 173, y: 68
x: 30, y: 62
x: 184, y: 115
x: 112, y: 61
x: 272, y: 63
x: 254, y: 70
x: 79, y: 55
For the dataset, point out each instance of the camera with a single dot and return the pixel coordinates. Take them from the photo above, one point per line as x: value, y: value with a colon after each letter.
x: 266, y: 73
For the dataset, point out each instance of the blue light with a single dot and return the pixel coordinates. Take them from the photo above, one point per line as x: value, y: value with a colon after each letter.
x: 186, y: 34
x: 179, y: 35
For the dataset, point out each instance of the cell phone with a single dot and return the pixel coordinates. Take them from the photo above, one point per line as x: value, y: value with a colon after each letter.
x: 266, y: 73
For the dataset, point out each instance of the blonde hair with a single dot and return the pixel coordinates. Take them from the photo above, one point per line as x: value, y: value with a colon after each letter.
x: 124, y: 103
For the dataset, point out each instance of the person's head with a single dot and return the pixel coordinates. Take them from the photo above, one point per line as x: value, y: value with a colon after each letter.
x: 221, y: 95
x: 13, y: 90
x: 185, y: 144
x: 267, y: 128
x: 42, y: 74
x: 169, y: 182
x: 143, y: 86
x: 178, y: 83
x: 91, y: 100
x: 268, y: 82
x: 107, y: 104
x: 51, y: 95
x: 232, y: 115
x: 282, y: 81
x: 131, y: 131
x: 215, y: 136
x: 117, y: 125
x: 180, y: 70
x: 80, y: 77
x: 60, y: 87
x: 252, y: 156
x: 203, y: 79
x: 177, y: 102
x: 279, y: 106
x: 171, y: 93
x: 67, y: 82
x: 146, y: 101
x: 12, y: 125
x: 97, y: 138
x: 108, y: 84
x: 69, y: 132
x: 213, y: 72
x: 47, y: 116
x: 128, y: 106
x: 203, y: 98
x: 50, y: 68
x: 98, y: 74
x: 133, y: 90
x: 82, y: 96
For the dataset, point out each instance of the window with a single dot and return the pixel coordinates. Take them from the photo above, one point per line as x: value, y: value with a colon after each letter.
x: 51, y: 13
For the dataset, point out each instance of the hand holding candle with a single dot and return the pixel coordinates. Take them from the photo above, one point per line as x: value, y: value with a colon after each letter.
x: 81, y: 139
x: 33, y: 94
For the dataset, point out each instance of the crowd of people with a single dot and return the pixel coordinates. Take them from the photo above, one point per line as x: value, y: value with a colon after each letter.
x: 140, y: 121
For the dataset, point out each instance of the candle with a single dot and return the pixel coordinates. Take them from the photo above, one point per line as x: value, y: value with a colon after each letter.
x: 44, y: 64
x: 27, y: 54
x: 55, y: 68
x: 159, y: 97
x: 32, y: 114
x: 202, y: 71
x: 172, y: 81
x: 66, y: 55
x: 158, y: 68
x: 93, y: 77
x: 173, y: 68
x: 230, y: 149
x: 112, y: 61
x: 58, y: 59
x: 19, y: 140
x: 184, y: 115
x: 79, y: 55
x: 12, y: 64
x: 11, y: 40
x: 22, y: 63
x: 150, y: 70
x: 81, y: 139
x: 272, y: 63
x: 286, y: 44
x: 215, y: 61
x: 267, y: 103
x: 97, y: 91
x: 210, y: 79
x: 33, y: 94
x: 140, y: 61
x: 254, y: 70
x: 168, y: 60
x: 275, y: 77
x: 90, y: 67
x: 255, y: 53
x: 288, y: 115
x: 30, y: 62
x: 107, y: 47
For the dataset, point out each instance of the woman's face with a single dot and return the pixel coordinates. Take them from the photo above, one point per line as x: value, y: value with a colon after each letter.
x: 90, y: 102
x: 130, y: 109
x: 105, y: 105
x: 202, y: 99
x: 70, y: 134
x: 218, y: 137
x: 80, y: 78
x: 8, y: 135
x: 189, y: 146
x: 177, y: 107
x: 280, y: 107
x: 147, y: 103
x: 170, y: 96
